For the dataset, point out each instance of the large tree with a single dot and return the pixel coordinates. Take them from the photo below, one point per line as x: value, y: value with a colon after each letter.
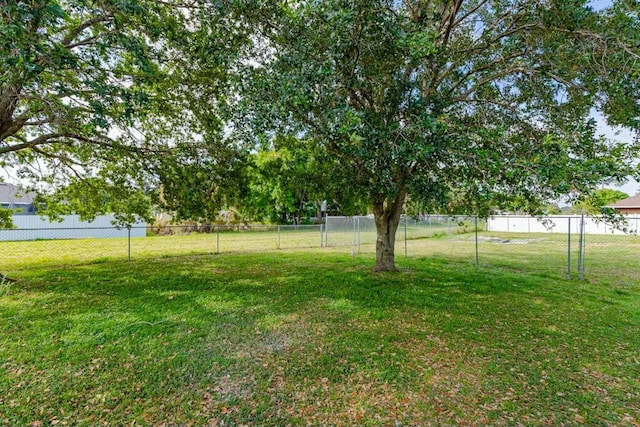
x: 76, y: 78
x: 285, y: 185
x: 483, y: 99
x: 103, y: 100
x: 292, y: 178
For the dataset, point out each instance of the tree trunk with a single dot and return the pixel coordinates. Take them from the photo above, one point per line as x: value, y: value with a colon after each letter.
x: 387, y: 216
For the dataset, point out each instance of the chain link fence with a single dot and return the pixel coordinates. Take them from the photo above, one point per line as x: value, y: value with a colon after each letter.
x: 86, y: 244
x: 581, y: 246
x: 359, y: 233
x: 565, y: 246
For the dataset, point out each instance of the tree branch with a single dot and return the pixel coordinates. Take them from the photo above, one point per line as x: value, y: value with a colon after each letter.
x: 487, y: 66
x: 451, y: 21
x: 42, y: 139
x: 52, y: 138
x: 488, y: 79
x: 68, y: 161
x: 469, y: 13
x: 74, y: 32
x: 88, y: 41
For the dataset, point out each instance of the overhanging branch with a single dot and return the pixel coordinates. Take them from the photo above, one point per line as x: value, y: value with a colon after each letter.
x: 74, y: 32
x: 53, y: 138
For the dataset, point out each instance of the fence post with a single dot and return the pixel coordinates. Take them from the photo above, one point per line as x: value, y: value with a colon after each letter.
x: 477, y: 258
x: 569, y: 248
x: 584, y: 245
x: 326, y: 232
x: 406, y: 252
x: 581, y: 251
x: 278, y: 236
x: 217, y: 239
x: 353, y: 238
x: 359, y: 236
x: 129, y: 240
x: 321, y: 237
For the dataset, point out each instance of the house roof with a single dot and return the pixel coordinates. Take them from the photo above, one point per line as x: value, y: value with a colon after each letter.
x: 13, y: 194
x: 630, y: 202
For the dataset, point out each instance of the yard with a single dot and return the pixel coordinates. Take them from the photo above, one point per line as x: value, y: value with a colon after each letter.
x: 311, y: 336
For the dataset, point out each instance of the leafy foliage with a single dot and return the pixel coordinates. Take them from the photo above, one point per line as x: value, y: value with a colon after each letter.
x: 5, y: 218
x: 291, y: 179
x: 481, y: 101
x: 596, y: 201
x: 96, y: 96
x: 202, y: 181
x: 461, y: 104
x: 76, y: 78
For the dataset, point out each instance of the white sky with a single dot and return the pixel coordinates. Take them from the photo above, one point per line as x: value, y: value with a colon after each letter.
x: 623, y: 135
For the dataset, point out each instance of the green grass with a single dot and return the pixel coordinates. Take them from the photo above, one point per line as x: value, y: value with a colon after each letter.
x: 312, y: 337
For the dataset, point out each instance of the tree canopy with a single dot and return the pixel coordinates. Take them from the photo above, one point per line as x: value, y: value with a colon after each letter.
x: 595, y: 202
x: 481, y: 100
x: 292, y: 178
x: 76, y: 79
x: 119, y: 104
x: 103, y: 99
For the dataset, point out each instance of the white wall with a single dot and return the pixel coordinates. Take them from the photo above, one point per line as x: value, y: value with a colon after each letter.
x: 556, y: 224
x: 32, y: 227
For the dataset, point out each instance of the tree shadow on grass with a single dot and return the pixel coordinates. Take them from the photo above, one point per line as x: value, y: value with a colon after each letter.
x: 293, y: 327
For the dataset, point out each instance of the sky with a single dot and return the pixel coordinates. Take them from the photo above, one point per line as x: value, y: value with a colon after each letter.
x: 600, y: 4
x: 623, y: 135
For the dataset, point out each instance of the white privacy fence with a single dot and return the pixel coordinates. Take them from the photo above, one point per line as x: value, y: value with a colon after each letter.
x: 34, y: 227
x: 560, y: 224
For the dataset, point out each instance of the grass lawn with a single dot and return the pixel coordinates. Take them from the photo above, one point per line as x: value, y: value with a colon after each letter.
x: 314, y: 338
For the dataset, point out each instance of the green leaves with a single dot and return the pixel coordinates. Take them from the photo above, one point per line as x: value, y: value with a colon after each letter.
x: 470, y: 99
x: 290, y: 180
x: 420, y: 45
x: 96, y: 96
x: 5, y: 218
x: 595, y: 203
x: 479, y: 100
